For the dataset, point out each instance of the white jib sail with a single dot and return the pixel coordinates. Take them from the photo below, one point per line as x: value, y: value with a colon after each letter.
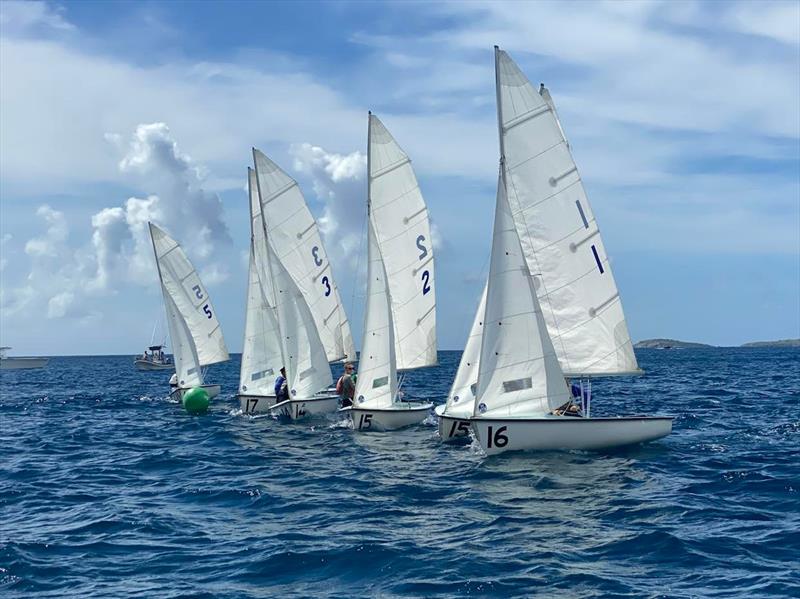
x: 294, y: 236
x: 193, y: 310
x: 376, y: 386
x: 261, y: 354
x: 307, y: 368
x: 400, y: 219
x: 559, y: 234
x: 461, y: 400
x: 187, y: 365
x: 519, y: 374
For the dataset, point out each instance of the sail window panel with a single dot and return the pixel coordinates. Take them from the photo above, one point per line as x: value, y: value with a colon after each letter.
x: 517, y: 385
x: 380, y: 382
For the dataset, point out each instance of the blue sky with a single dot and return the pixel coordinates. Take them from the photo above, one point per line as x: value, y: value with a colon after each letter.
x: 684, y: 118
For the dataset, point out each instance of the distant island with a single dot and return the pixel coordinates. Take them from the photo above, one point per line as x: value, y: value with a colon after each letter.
x: 675, y: 344
x: 667, y: 344
x: 779, y: 343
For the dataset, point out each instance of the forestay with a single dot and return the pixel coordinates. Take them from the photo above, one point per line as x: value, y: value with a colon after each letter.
x: 376, y: 386
x: 261, y: 354
x: 519, y: 374
x: 461, y: 400
x: 559, y: 234
x: 307, y: 368
x: 193, y: 317
x: 402, y: 229
x: 295, y: 238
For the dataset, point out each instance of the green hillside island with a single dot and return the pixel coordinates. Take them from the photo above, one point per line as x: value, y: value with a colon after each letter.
x: 667, y: 344
x: 778, y: 343
x: 675, y: 344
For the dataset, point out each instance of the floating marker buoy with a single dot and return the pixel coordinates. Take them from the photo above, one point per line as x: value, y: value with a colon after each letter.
x: 195, y: 400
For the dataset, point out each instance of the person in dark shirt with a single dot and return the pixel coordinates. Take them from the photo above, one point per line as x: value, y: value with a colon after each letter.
x: 346, y: 386
x: 281, y: 388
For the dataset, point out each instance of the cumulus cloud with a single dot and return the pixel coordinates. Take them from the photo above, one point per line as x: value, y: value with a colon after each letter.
x: 63, y: 277
x: 339, y: 181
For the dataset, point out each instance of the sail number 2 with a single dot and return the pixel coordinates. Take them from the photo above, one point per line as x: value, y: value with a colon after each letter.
x: 426, y: 276
x: 496, y: 436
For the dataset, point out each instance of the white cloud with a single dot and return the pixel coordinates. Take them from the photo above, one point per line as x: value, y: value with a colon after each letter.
x: 779, y: 21
x: 339, y: 181
x: 3, y: 255
x: 18, y: 17
x: 52, y: 242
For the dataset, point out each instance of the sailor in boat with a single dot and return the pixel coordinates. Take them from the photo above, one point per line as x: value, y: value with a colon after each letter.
x: 281, y: 387
x: 346, y: 385
x: 173, y: 381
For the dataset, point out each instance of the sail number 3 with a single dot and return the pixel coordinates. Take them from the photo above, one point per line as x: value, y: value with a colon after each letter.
x: 426, y: 276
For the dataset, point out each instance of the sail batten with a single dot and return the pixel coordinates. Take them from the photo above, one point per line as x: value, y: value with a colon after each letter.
x: 558, y: 231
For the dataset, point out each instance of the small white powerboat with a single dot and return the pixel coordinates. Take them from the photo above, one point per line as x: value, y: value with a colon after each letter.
x: 154, y: 358
x: 18, y: 363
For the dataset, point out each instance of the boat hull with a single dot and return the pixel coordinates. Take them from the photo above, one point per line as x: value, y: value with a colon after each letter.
x: 146, y: 365
x: 388, y: 419
x: 256, y: 404
x: 564, y: 432
x: 23, y: 363
x: 297, y: 409
x: 212, y: 390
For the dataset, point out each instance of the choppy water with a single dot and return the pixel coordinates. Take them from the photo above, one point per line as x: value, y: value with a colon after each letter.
x: 108, y: 489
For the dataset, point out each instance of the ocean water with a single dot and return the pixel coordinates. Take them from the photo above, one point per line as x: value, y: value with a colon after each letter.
x: 107, y: 489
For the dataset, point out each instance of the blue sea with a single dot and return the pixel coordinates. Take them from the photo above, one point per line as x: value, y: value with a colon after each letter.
x: 108, y: 489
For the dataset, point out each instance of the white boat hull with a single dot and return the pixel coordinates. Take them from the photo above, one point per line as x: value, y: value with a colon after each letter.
x: 212, y: 390
x: 23, y: 363
x: 498, y: 435
x: 388, y: 419
x: 452, y: 430
x: 147, y: 365
x: 255, y: 404
x: 297, y: 409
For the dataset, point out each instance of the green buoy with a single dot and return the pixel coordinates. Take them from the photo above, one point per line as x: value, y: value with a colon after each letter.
x: 195, y: 400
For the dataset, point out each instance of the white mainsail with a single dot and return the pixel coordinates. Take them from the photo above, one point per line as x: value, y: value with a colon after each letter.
x: 193, y: 326
x: 261, y: 354
x: 461, y: 399
x: 519, y: 374
x: 376, y: 386
x: 294, y: 236
x: 304, y: 357
x: 559, y: 234
x: 400, y: 220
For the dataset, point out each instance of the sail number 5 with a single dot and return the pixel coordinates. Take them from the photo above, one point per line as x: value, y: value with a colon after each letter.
x: 497, y: 437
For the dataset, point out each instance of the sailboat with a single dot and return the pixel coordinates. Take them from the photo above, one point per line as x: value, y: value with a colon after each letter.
x: 552, y: 308
x: 400, y: 315
x: 194, y: 330
x: 454, y: 415
x: 261, y: 355
x: 296, y: 241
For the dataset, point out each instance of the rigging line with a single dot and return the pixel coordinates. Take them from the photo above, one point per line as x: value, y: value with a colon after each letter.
x: 358, y: 266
